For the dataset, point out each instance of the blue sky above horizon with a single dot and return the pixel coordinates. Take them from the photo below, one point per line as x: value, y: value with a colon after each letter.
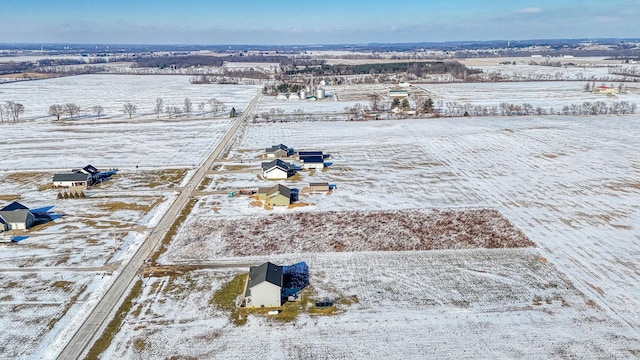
x: 278, y: 22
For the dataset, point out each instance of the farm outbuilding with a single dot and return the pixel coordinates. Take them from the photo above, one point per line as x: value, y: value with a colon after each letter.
x: 16, y: 216
x: 264, y: 287
x: 277, y: 170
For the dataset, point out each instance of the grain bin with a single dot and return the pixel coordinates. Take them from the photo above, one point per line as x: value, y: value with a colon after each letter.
x: 320, y: 93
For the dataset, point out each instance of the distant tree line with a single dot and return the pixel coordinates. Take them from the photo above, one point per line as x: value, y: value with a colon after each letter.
x: 417, y: 69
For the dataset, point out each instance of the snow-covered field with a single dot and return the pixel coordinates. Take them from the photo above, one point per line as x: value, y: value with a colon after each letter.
x: 113, y: 91
x: 569, y: 183
x: 545, y: 94
x: 59, y: 270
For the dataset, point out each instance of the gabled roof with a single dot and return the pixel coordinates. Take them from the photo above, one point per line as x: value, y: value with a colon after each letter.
x: 319, y: 184
x: 312, y: 159
x: 275, y: 190
x: 277, y: 147
x: 14, y: 206
x: 70, y: 177
x: 90, y: 169
x: 309, y: 153
x: 15, y: 216
x: 266, y: 272
x: 276, y: 163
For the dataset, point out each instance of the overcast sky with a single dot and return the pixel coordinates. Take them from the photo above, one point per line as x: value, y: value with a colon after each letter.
x: 277, y: 22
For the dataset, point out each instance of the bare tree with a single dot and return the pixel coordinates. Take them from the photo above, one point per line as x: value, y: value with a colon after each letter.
x: 98, y: 110
x: 71, y: 109
x: 1, y: 113
x: 188, y: 106
x: 201, y: 106
x: 14, y: 109
x: 129, y: 109
x: 158, y: 107
x: 215, y: 105
x: 56, y: 110
x: 374, y: 102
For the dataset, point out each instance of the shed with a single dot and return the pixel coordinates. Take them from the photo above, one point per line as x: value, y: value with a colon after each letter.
x: 264, y: 287
x: 319, y: 187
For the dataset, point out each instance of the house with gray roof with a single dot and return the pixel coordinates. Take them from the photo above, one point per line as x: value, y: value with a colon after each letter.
x: 278, y: 151
x: 72, y: 179
x: 275, y: 195
x: 16, y: 216
x: 264, y: 287
x: 277, y: 170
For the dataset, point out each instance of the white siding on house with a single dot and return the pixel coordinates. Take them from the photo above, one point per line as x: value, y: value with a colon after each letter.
x: 275, y: 174
x: 265, y: 294
x: 317, y: 166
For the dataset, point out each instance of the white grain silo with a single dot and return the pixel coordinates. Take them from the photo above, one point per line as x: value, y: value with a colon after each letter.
x: 303, y: 95
x: 320, y: 93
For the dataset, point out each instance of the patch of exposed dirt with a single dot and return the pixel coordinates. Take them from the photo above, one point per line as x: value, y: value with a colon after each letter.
x: 359, y: 231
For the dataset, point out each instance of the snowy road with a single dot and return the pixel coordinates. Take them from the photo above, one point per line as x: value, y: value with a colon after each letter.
x: 91, y: 327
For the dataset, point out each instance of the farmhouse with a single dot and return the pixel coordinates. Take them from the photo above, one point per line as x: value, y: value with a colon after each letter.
x: 278, y: 195
x: 277, y: 151
x: 16, y: 216
x: 264, y: 287
x: 277, y: 170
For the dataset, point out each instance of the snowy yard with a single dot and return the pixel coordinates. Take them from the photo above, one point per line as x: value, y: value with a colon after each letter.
x: 412, y: 305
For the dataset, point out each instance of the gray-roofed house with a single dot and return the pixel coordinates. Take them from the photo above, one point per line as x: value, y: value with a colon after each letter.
x: 72, y: 179
x: 277, y: 170
x: 16, y: 216
x: 277, y: 151
x: 264, y: 287
x: 277, y: 195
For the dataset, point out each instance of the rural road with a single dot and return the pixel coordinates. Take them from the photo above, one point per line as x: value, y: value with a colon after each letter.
x: 83, y: 338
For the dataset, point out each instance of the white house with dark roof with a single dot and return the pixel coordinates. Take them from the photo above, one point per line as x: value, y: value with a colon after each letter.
x: 72, y: 179
x: 264, y: 287
x: 277, y: 170
x: 16, y: 216
x: 86, y: 176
